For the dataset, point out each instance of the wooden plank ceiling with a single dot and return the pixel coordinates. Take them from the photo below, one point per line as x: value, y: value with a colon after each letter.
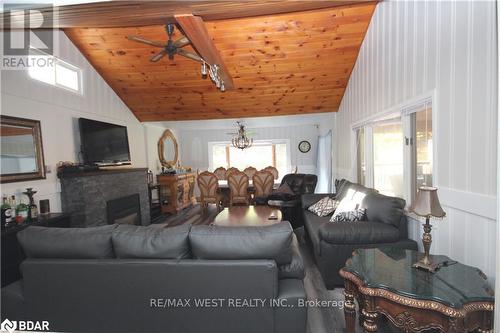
x: 284, y: 64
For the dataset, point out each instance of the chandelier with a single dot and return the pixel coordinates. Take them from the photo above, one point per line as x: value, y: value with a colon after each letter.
x: 241, y: 141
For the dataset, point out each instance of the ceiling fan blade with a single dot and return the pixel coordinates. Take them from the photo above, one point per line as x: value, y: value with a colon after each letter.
x: 145, y: 41
x: 183, y: 41
x: 158, y: 56
x: 189, y: 55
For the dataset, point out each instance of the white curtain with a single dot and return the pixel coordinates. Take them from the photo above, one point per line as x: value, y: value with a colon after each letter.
x: 324, y: 164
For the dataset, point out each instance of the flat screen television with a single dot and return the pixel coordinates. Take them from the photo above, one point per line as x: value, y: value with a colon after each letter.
x: 103, y: 143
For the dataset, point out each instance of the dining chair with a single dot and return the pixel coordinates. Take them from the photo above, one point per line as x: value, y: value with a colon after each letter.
x: 263, y: 182
x: 250, y: 171
x: 238, y: 188
x: 230, y: 170
x: 272, y: 170
x: 209, y: 185
x: 220, y: 173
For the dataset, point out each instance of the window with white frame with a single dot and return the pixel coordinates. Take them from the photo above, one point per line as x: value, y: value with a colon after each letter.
x: 57, y: 72
x: 394, y: 153
x: 360, y: 140
x: 259, y: 156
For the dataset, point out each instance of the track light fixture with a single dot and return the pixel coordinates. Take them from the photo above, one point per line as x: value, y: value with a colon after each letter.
x: 204, y: 69
x: 213, y: 72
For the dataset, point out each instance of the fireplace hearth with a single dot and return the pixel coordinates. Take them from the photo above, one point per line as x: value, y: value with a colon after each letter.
x: 124, y: 210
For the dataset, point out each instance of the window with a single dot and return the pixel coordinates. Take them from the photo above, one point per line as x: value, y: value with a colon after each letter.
x: 422, y: 148
x: 394, y: 155
x: 260, y: 155
x: 361, y: 156
x: 56, y: 72
x: 388, y: 158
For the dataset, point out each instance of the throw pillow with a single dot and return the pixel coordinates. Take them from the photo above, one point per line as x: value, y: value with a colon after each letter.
x: 350, y: 216
x: 351, y: 200
x: 324, y: 207
x: 285, y: 189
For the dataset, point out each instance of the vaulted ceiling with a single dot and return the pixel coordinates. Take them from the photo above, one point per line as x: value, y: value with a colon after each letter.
x: 281, y: 64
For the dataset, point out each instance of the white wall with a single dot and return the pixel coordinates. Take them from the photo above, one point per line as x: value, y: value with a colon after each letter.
x: 193, y: 136
x: 58, y: 111
x: 411, y: 48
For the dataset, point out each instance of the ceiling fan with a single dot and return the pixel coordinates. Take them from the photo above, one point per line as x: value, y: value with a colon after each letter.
x: 170, y: 48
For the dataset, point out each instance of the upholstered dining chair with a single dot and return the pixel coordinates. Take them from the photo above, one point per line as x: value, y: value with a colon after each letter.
x: 272, y: 170
x: 230, y: 170
x: 263, y: 182
x: 220, y: 173
x: 209, y: 185
x: 250, y: 171
x: 238, y: 188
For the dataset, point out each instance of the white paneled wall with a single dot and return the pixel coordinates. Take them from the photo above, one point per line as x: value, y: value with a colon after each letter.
x: 59, y: 110
x: 446, y: 47
x: 194, y: 147
x: 193, y: 136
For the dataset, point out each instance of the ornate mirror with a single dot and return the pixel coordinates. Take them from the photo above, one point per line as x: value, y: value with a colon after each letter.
x: 21, y: 150
x: 168, y: 150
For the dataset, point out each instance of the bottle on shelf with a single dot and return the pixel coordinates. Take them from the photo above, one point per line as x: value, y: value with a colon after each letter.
x: 7, y: 213
x: 22, y: 212
x: 33, y: 211
x: 32, y: 208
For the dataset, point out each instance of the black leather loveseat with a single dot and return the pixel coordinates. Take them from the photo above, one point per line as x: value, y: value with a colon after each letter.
x: 290, y: 204
x: 334, y: 242
x: 147, y: 279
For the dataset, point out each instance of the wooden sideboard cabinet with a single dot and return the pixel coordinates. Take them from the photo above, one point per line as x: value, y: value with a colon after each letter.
x: 176, y: 191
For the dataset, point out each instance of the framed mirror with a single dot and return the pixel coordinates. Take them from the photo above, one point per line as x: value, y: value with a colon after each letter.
x: 21, y: 150
x: 168, y: 150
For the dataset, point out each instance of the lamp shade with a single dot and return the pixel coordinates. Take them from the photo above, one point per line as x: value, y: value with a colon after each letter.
x: 427, y: 203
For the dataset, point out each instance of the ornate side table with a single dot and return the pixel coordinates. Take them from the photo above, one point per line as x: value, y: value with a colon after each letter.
x: 454, y: 299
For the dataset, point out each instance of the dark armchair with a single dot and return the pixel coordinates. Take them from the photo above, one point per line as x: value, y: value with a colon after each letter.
x: 290, y: 204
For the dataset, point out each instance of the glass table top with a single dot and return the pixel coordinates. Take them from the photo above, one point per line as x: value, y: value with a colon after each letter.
x: 391, y: 269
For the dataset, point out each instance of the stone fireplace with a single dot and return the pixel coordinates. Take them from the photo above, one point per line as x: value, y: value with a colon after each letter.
x: 92, y: 198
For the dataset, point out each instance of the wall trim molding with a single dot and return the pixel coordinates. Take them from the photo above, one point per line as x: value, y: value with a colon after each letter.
x: 469, y: 202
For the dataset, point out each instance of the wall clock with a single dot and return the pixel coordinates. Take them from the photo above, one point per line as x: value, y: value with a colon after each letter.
x: 304, y: 146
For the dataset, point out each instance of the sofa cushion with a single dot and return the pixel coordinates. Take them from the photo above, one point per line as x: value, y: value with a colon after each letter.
x: 67, y: 243
x: 353, y: 190
x: 384, y: 209
x: 361, y: 232
x: 131, y: 241
x: 267, y: 242
x: 294, y: 269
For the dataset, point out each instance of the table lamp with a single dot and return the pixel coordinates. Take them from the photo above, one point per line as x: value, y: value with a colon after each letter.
x: 427, y: 205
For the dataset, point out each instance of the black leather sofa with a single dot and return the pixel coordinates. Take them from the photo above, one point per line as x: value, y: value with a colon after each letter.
x: 334, y: 242
x: 290, y: 204
x: 139, y: 279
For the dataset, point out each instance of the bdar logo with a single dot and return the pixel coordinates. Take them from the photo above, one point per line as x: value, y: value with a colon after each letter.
x: 8, y: 326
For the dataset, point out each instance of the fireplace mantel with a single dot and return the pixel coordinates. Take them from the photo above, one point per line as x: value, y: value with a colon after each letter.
x: 85, y: 194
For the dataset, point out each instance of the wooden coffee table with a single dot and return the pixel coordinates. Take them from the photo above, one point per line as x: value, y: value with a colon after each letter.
x: 248, y: 216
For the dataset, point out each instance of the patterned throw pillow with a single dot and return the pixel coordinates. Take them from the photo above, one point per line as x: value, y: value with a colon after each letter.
x: 324, y: 207
x: 350, y: 216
